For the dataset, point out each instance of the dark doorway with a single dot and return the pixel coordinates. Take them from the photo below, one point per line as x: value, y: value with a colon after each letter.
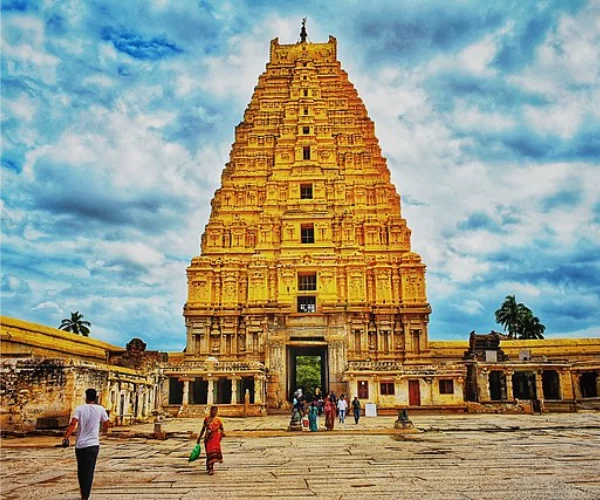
x: 588, y: 385
x: 136, y: 402
x: 307, y: 370
x: 175, y: 391
x: 223, y: 391
x: 247, y: 385
x: 414, y: 393
x: 524, y: 385
x: 551, y: 384
x: 363, y: 390
x: 497, y: 386
x: 199, y: 392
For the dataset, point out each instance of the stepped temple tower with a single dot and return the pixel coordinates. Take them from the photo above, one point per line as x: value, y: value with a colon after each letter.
x: 306, y: 252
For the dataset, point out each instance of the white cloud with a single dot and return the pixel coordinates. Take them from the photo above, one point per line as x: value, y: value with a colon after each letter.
x: 48, y: 306
x: 144, y: 141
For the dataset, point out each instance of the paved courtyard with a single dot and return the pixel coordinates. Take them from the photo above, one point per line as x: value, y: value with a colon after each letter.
x: 454, y: 457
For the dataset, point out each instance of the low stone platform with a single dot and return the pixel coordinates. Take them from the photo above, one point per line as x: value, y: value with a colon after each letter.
x: 483, y: 457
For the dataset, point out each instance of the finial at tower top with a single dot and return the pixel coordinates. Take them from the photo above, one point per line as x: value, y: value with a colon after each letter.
x: 303, y: 34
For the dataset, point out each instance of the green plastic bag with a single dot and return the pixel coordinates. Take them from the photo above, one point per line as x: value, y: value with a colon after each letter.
x: 195, y: 453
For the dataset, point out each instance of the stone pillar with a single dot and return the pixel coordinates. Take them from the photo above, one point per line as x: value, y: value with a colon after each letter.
x: 576, y: 384
x: 539, y: 385
x: 373, y: 390
x: 186, y: 391
x: 429, y: 382
x: 257, y: 389
x: 509, y: 385
x: 164, y: 392
x: 107, y: 401
x: 539, y: 389
x: 210, y: 391
x: 234, y: 390
x: 566, y: 387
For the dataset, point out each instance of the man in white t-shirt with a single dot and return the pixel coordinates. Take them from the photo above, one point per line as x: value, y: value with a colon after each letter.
x: 89, y: 417
x: 342, y: 405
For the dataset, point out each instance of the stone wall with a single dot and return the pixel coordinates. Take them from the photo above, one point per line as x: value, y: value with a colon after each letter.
x: 36, y: 388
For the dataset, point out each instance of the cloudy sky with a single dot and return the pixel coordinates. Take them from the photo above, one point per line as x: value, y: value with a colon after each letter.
x: 118, y: 116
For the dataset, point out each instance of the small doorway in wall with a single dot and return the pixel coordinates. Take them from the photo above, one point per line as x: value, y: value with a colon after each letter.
x: 551, y: 384
x: 175, y: 391
x: 136, y: 402
x: 524, y: 385
x: 363, y: 389
x: 199, y: 392
x: 497, y: 386
x: 223, y: 391
x: 588, y: 385
x: 247, y: 385
x: 307, y: 370
x: 414, y: 393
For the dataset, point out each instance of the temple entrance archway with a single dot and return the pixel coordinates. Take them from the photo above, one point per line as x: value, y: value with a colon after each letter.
x: 307, y: 369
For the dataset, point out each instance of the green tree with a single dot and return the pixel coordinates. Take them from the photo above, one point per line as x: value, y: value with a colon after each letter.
x: 531, y: 327
x: 519, y: 320
x: 76, y: 324
x: 509, y: 315
x: 308, y: 374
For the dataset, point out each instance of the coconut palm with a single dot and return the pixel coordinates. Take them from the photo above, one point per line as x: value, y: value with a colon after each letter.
x: 509, y: 315
x: 531, y: 328
x: 76, y: 324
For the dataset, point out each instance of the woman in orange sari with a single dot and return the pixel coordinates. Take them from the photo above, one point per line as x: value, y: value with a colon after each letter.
x: 213, y: 427
x: 329, y: 410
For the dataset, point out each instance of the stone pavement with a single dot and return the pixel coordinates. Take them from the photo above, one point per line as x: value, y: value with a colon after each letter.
x: 493, y: 457
x: 277, y: 424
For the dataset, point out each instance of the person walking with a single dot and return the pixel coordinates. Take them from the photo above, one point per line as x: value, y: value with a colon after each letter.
x: 329, y: 409
x: 213, y: 427
x: 342, y: 406
x: 356, y: 409
x: 312, y: 417
x: 87, y: 418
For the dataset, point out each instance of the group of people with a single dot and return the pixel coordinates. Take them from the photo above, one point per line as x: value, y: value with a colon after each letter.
x: 328, y: 404
x: 90, y: 418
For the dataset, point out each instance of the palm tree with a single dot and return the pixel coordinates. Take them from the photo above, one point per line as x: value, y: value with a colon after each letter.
x: 509, y: 315
x: 76, y: 324
x: 531, y: 327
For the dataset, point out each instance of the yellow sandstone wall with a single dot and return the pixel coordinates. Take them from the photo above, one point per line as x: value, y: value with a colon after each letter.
x: 555, y: 349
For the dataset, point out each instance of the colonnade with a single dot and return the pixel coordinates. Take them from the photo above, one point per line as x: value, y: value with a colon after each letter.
x: 259, y: 388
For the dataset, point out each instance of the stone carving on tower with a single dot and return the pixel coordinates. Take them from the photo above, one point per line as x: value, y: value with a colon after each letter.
x: 306, y: 237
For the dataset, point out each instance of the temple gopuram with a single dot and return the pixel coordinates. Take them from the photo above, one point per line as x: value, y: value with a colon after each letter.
x: 306, y: 251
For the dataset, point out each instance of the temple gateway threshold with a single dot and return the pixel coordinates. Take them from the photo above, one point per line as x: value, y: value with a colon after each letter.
x: 306, y: 253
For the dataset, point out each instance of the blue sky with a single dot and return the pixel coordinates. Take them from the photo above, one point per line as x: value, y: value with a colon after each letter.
x: 117, y: 120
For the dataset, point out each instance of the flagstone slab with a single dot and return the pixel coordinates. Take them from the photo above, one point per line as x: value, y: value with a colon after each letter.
x: 466, y: 462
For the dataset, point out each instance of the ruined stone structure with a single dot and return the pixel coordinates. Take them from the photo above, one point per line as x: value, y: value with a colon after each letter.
x: 532, y: 375
x: 44, y: 373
